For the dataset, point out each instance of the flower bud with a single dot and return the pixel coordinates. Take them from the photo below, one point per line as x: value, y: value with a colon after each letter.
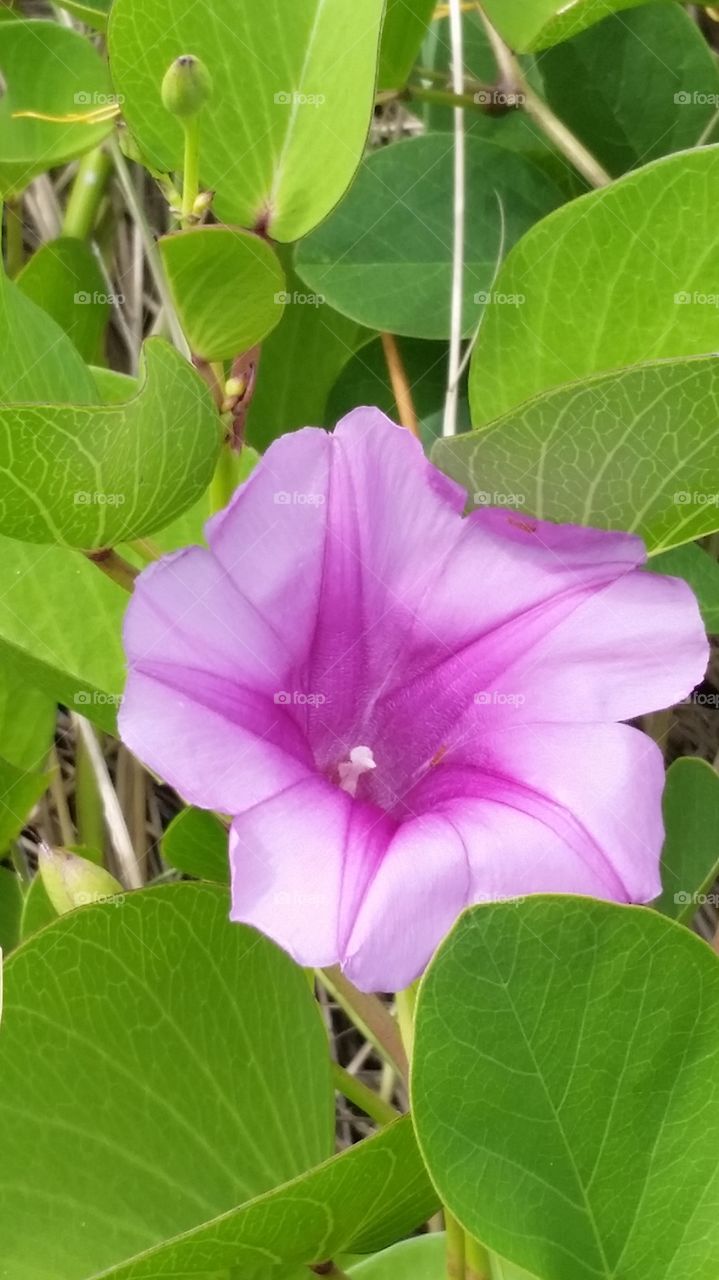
x: 71, y: 881
x: 186, y: 87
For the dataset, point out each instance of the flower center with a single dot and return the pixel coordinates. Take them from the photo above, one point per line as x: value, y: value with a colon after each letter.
x: 361, y: 760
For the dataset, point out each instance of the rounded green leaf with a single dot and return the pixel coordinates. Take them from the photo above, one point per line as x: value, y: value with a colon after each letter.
x: 690, y: 859
x: 620, y: 276
x: 64, y: 278
x: 91, y: 476
x: 384, y: 258
x: 650, y: 85
x: 195, y: 843
x: 293, y: 89
x: 536, y: 24
x: 185, y: 1059
x: 53, y: 71
x: 634, y: 450
x: 228, y: 288
x: 420, y: 1259
x: 566, y: 1088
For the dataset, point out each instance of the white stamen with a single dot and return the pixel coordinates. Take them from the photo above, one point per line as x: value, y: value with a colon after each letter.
x: 361, y: 760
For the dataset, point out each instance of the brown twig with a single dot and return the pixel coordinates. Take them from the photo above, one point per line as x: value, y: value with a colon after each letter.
x: 400, y: 384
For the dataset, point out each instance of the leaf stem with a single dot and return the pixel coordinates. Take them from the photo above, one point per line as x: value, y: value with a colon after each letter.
x: 455, y: 1257
x: 363, y: 1097
x: 191, y: 168
x: 86, y: 195
x: 113, y: 566
x: 400, y: 384
x: 550, y: 124
x: 14, y: 243
x: 370, y: 1016
x: 477, y: 1264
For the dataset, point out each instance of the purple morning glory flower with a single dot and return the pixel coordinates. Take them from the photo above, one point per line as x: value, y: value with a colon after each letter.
x: 405, y: 710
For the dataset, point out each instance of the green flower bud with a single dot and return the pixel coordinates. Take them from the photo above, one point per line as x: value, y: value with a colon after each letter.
x: 186, y: 87
x: 71, y: 881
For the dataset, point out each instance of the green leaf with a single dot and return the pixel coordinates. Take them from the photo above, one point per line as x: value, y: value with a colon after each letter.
x: 196, y: 844
x: 228, y: 288
x: 619, y: 276
x: 384, y: 257
x: 188, y: 1059
x: 536, y: 24
x: 650, y: 85
x: 419, y: 1259
x: 11, y: 902
x: 27, y: 721
x: 113, y: 387
x: 39, y: 362
x: 634, y: 450
x: 362, y: 1200
x: 64, y: 278
x: 690, y: 861
x: 92, y: 476
x: 50, y: 70
x: 365, y: 380
x: 37, y: 910
x: 93, y: 12
x: 565, y: 1084
x: 20, y: 789
x: 60, y: 621
x: 298, y: 77
x: 404, y: 29
x: 701, y: 571
x: 300, y: 361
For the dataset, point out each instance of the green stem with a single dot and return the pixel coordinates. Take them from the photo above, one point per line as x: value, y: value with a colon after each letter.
x: 14, y: 246
x: 443, y: 97
x: 477, y: 1260
x: 406, y: 1002
x: 191, y: 169
x: 363, y: 1097
x: 89, y: 812
x: 455, y: 1248
x: 224, y: 480
x: 86, y: 195
x: 370, y: 1017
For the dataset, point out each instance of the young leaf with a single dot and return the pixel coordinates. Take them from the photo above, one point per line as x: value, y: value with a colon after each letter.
x: 634, y: 450
x: 620, y: 276
x: 690, y: 861
x: 420, y: 1259
x: 50, y: 70
x: 298, y: 77
x: 91, y: 476
x: 228, y: 287
x: 566, y: 1088
x: 402, y: 34
x: 384, y: 257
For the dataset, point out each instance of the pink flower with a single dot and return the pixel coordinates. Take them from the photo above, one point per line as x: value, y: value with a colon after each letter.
x: 403, y: 709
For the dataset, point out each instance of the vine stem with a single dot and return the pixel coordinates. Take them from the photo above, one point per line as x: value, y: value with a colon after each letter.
x: 363, y: 1097
x: 449, y: 426
x: 86, y: 195
x: 400, y: 384
x: 455, y: 1248
x: 370, y: 1017
x: 550, y: 124
x: 477, y: 1265
x: 191, y: 168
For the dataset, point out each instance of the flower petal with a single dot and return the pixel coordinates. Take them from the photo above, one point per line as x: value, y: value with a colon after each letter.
x: 301, y: 863
x: 198, y: 705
